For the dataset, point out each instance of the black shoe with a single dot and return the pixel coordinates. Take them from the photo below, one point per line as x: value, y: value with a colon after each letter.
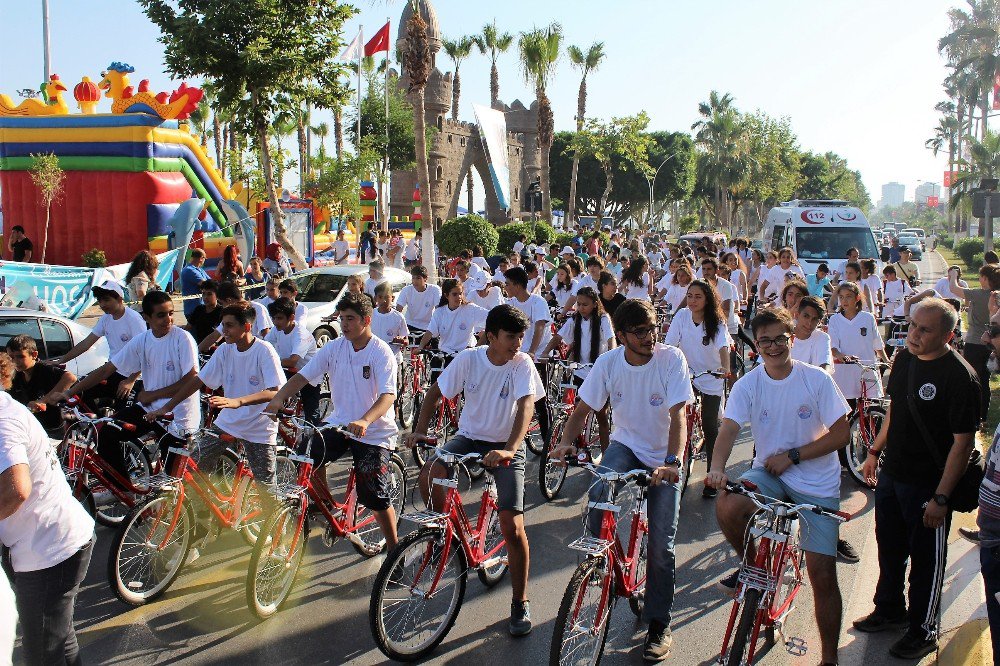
x: 709, y: 493
x: 877, y: 622
x: 728, y: 584
x: 847, y: 552
x: 913, y: 645
x: 658, y: 642
x: 520, y: 618
x: 970, y: 535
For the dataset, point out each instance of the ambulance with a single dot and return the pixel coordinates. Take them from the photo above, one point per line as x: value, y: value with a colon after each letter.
x: 819, y: 231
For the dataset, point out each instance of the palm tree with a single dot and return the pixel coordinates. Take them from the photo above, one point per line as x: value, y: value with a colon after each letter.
x: 973, y: 46
x: 322, y: 130
x: 458, y: 50
x: 494, y: 42
x: 983, y: 162
x: 586, y: 62
x: 338, y: 130
x: 200, y: 121
x: 718, y: 134
x: 539, y: 54
x: 945, y: 134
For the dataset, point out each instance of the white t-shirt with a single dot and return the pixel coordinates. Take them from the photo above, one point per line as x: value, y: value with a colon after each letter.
x: 896, y: 292
x: 690, y: 339
x: 419, y: 304
x: 814, y: 350
x: 586, y: 280
x: 664, y: 283
x: 162, y: 362
x: 499, y: 277
x: 676, y: 295
x: 633, y: 291
x: 389, y: 325
x: 655, y: 259
x: 482, y: 263
x: 456, y: 329
x: 491, y: 392
x: 641, y: 398
x: 341, y: 250
x: 788, y: 414
x: 119, y: 331
x: 262, y: 321
x: 606, y: 334
x: 371, y: 283
x: 536, y: 310
x: 727, y: 292
x: 763, y: 271
x: 518, y: 247
x: 855, y: 337
x: 361, y: 377
x: 492, y: 298
x: 776, y: 277
x: 943, y: 288
x: 240, y: 374
x: 50, y: 525
x: 563, y: 295
x: 412, y: 250
x: 874, y: 284
x: 299, y: 342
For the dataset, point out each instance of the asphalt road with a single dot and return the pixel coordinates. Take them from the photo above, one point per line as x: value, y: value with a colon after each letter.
x: 203, y: 619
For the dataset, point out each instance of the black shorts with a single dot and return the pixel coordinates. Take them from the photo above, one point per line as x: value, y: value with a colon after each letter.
x: 371, y: 466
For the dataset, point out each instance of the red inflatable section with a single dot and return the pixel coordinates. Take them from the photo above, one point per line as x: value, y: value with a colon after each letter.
x: 98, y: 209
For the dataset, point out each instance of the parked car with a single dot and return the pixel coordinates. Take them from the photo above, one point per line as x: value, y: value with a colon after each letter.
x: 320, y: 288
x: 919, y: 233
x: 914, y: 245
x: 54, y: 335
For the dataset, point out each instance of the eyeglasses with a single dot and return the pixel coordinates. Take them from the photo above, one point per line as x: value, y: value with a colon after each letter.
x: 642, y: 332
x: 781, y: 341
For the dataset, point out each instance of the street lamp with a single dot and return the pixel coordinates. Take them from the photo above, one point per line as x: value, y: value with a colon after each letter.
x: 651, y: 182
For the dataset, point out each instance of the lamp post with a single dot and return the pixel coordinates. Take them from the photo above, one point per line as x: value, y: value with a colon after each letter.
x: 46, y: 55
x: 652, y: 181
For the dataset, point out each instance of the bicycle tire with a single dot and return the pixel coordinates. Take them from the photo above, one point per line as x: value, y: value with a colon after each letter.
x: 856, y: 451
x: 551, y: 477
x: 490, y: 577
x: 373, y: 542
x: 139, y: 468
x: 535, y: 443
x: 429, y: 539
x: 637, y: 602
x: 741, y: 639
x: 147, y: 521
x: 404, y: 401
x: 596, y: 634
x: 251, y: 512
x: 419, y: 457
x: 268, y: 558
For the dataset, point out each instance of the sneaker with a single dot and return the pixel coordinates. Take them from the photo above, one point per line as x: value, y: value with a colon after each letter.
x: 658, y: 642
x: 520, y: 618
x: 193, y: 555
x: 913, y: 645
x: 728, y: 584
x: 876, y: 622
x: 969, y: 535
x: 847, y: 552
x: 709, y: 493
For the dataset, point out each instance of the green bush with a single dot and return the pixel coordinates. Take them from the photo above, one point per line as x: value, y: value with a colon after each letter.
x: 967, y: 249
x: 687, y: 224
x: 94, y: 258
x: 545, y: 234
x: 977, y: 261
x: 947, y: 241
x: 466, y: 232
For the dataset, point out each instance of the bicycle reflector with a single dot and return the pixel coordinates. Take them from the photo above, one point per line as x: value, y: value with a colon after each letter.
x: 130, y: 427
x: 844, y: 514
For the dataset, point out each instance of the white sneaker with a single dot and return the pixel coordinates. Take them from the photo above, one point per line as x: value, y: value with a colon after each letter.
x: 193, y: 555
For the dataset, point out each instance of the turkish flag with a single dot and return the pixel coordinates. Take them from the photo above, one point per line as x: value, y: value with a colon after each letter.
x: 932, y: 201
x: 947, y: 178
x: 378, y: 43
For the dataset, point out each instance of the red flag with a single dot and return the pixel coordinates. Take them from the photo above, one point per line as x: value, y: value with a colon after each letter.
x: 933, y: 201
x: 378, y: 43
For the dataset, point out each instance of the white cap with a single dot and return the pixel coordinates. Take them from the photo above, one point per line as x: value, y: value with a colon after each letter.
x: 567, y: 250
x: 477, y: 282
x: 110, y: 285
x: 540, y: 249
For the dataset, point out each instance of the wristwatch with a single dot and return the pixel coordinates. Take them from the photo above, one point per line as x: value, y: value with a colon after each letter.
x: 941, y: 500
x: 793, y: 454
x: 672, y: 460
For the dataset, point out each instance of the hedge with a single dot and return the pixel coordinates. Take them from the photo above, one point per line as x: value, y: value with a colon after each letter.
x: 536, y: 232
x: 970, y: 250
x: 466, y: 232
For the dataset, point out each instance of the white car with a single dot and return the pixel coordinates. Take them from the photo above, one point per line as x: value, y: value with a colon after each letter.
x: 320, y: 288
x: 54, y: 335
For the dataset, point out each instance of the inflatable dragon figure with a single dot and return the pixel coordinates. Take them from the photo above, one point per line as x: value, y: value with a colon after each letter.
x: 178, y: 105
x: 51, y: 104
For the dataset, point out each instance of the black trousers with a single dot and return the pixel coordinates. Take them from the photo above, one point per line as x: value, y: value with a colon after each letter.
x: 901, y: 536
x: 977, y: 355
x: 542, y: 408
x: 109, y: 440
x: 710, y: 405
x: 310, y: 395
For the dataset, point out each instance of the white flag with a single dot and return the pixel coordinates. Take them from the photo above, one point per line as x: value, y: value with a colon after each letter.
x: 353, y: 50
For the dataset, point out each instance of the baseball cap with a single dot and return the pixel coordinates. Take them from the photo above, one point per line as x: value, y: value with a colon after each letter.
x: 476, y: 282
x: 567, y: 250
x: 540, y: 249
x: 109, y: 286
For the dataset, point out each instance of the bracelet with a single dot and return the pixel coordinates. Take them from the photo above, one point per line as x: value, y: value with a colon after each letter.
x: 872, y: 452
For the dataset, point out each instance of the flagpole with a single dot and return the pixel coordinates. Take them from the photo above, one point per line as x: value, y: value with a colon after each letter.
x: 387, y: 178
x: 361, y: 55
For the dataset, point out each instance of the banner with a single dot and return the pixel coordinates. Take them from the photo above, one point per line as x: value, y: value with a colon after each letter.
x: 66, y: 290
x: 933, y: 201
x: 493, y: 132
x: 948, y: 177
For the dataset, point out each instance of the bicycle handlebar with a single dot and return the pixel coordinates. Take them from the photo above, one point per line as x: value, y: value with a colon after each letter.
x: 449, y: 458
x: 642, y: 477
x: 717, y: 375
x: 765, y: 503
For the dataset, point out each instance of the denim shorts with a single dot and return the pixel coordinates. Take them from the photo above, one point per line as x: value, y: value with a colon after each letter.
x: 817, y: 534
x: 509, y: 480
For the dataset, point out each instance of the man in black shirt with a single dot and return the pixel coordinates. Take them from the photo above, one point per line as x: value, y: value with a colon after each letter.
x: 20, y: 246
x: 37, y: 385
x: 912, y: 513
x: 208, y: 314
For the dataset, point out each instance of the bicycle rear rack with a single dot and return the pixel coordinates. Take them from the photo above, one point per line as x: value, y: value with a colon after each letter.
x: 757, y: 578
x: 162, y: 481
x: 288, y: 491
x: 427, y: 518
x: 591, y: 545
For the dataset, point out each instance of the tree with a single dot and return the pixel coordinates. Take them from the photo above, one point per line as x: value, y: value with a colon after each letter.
x: 257, y: 54
x: 335, y: 182
x: 946, y: 136
x: 772, y: 165
x: 586, y: 62
x: 540, y: 50
x: 719, y: 134
x: 494, y: 42
x: 621, y: 138
x: 49, y: 178
x: 973, y: 46
x: 458, y: 50
x: 322, y: 130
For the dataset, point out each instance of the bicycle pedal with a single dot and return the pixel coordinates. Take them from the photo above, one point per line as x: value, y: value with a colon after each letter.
x: 796, y: 646
x: 328, y: 537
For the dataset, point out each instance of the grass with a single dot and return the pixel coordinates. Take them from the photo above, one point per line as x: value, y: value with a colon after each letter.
x: 993, y: 416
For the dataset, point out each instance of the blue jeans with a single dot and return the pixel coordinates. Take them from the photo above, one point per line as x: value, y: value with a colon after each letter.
x: 662, y: 506
x: 989, y: 559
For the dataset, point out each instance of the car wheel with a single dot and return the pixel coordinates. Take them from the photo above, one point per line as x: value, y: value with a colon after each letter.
x: 324, y: 335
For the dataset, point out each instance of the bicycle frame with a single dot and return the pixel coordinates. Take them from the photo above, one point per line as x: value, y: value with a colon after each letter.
x: 82, y: 458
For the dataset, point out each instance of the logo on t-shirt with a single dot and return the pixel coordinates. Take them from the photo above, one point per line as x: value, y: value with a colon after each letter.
x: 170, y: 366
x: 805, y: 412
x: 656, y: 400
x: 254, y: 380
x: 472, y: 387
x: 366, y: 372
x: 864, y: 330
x: 125, y: 337
x: 765, y: 417
x: 927, y: 391
x: 463, y: 326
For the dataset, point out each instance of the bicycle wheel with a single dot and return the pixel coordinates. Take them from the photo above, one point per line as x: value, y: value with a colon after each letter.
x: 857, y: 446
x: 638, y: 599
x: 225, y: 471
x: 251, y: 510
x: 149, y: 548
x: 276, y: 559
x: 286, y: 472
x: 109, y: 510
x: 372, y: 540
x: 740, y: 645
x: 407, y: 622
x: 551, y: 476
x: 789, y: 575
x: 533, y: 440
x: 582, y: 623
x: 419, y: 456
x: 404, y: 401
x: 592, y: 435
x: 494, y: 537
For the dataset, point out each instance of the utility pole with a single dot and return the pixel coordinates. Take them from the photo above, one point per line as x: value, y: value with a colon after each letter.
x: 46, y: 56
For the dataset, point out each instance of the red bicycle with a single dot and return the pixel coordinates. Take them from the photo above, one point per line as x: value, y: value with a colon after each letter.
x: 276, y: 557
x: 610, y: 571
x: 420, y: 587
x: 866, y: 421
x: 767, y: 586
x: 551, y: 474
x: 444, y: 422
x: 695, y: 431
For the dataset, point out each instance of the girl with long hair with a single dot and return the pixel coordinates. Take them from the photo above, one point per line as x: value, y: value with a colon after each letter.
x: 607, y: 290
x: 455, y: 322
x: 635, y: 279
x: 854, y: 336
x: 793, y: 292
x: 141, y: 274
x: 738, y: 276
x: 677, y: 293
x: 230, y: 268
x: 563, y: 285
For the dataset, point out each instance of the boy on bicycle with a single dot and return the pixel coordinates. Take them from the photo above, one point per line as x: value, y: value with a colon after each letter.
x: 798, y: 419
x: 362, y: 393
x: 229, y: 294
x: 648, y: 386
x: 295, y: 346
x: 501, y: 386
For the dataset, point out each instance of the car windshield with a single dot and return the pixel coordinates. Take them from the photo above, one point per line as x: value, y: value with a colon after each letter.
x: 908, y: 240
x: 320, y: 287
x: 833, y: 242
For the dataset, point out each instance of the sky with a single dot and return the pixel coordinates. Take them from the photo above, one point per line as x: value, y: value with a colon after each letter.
x: 857, y: 77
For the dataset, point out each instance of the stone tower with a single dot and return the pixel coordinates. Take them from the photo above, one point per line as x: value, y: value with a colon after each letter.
x: 456, y: 147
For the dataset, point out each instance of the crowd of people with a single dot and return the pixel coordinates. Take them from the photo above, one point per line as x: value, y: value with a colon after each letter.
x: 813, y: 340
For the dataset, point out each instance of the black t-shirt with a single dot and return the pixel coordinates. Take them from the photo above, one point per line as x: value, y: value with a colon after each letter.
x: 611, y: 305
x: 21, y: 248
x: 947, y: 396
x: 43, y: 379
x: 204, y: 322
